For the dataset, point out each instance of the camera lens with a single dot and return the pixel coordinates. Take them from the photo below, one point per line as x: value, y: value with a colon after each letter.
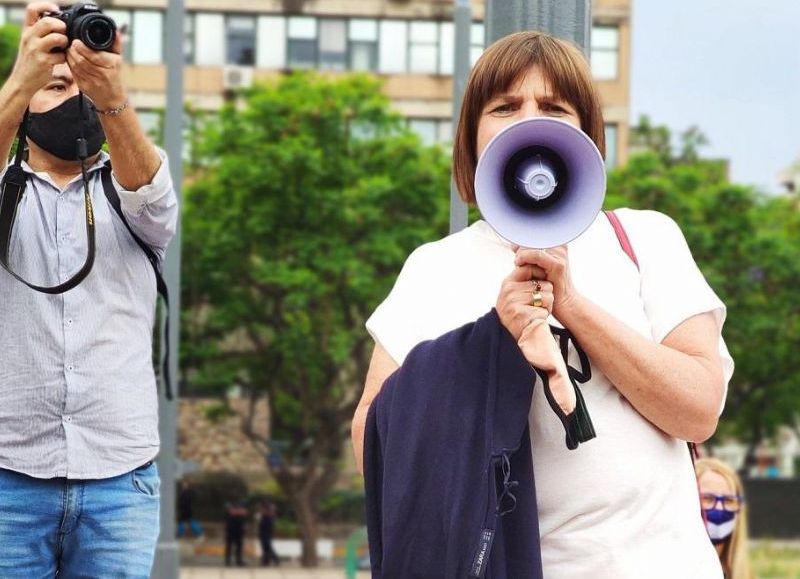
x: 97, y: 32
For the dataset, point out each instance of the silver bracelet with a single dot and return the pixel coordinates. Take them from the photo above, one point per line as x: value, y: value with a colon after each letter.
x: 116, y: 111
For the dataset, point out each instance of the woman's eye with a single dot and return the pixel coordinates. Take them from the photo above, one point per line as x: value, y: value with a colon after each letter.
x: 554, y: 109
x: 58, y: 88
x: 504, y: 108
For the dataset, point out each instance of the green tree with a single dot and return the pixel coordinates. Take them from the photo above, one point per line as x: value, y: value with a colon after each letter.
x: 9, y: 43
x: 748, y: 246
x: 308, y: 196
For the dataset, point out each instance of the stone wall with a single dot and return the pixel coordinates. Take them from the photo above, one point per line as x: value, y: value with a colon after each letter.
x: 220, y: 445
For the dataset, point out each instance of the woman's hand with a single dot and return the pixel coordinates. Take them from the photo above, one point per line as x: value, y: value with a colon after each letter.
x: 554, y: 267
x: 518, y: 293
x: 541, y: 350
x: 525, y: 286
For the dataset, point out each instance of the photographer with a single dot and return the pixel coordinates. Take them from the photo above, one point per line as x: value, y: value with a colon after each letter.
x: 79, y: 491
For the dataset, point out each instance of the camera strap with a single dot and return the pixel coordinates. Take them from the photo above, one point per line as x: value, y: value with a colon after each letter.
x: 161, y: 285
x: 12, y: 190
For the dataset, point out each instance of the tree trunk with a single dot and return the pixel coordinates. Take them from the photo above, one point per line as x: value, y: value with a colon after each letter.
x: 307, y: 523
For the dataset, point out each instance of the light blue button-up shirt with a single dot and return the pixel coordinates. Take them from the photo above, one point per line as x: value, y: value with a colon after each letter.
x: 77, y: 386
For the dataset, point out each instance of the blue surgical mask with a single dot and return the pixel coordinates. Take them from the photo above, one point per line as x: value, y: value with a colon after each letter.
x: 719, y: 524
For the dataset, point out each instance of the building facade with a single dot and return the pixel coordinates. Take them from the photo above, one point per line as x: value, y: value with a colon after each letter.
x: 231, y: 44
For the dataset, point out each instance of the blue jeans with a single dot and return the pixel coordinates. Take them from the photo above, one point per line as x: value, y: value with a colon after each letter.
x: 79, y: 528
x: 197, y: 530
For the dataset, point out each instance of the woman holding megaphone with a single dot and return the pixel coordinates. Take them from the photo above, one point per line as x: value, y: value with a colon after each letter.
x: 634, y: 340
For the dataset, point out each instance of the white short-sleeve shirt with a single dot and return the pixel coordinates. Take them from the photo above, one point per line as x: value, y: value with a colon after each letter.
x: 625, y: 504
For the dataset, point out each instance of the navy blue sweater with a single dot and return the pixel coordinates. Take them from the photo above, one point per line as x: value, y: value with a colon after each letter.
x: 447, y: 461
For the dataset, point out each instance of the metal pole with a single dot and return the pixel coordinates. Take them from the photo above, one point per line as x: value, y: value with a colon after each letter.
x: 462, y: 17
x: 167, y: 556
x: 568, y: 19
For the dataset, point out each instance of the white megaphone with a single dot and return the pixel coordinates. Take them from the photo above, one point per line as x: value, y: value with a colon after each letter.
x: 540, y: 182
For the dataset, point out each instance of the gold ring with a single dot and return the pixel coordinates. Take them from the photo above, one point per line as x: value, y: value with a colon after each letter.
x: 537, y: 300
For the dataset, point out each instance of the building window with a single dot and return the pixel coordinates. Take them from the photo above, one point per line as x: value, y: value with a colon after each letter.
x: 271, y: 42
x: 16, y: 15
x: 302, y: 45
x: 363, y: 47
x: 147, y: 37
x: 151, y: 123
x: 432, y: 131
x: 241, y: 40
x: 611, y: 145
x: 209, y: 39
x: 122, y: 18
x: 188, y: 38
x: 605, y: 52
x: 445, y: 131
x: 332, y: 44
x: 477, y: 41
x: 447, y: 49
x: 393, y: 50
x: 423, y: 50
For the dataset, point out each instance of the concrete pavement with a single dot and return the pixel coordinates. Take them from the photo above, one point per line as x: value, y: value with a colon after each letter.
x: 264, y: 573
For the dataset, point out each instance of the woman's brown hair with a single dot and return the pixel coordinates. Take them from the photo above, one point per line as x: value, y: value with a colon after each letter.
x: 502, y: 64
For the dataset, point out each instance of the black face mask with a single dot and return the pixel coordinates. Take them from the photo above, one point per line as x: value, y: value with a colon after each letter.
x: 58, y: 130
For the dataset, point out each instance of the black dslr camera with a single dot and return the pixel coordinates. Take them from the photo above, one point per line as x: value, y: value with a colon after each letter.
x: 88, y: 23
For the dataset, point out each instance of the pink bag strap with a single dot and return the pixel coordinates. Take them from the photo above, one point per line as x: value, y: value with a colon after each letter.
x: 622, y: 236
x: 625, y: 242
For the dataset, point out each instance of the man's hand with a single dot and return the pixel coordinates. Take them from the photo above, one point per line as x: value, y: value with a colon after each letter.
x: 35, y: 59
x: 98, y: 73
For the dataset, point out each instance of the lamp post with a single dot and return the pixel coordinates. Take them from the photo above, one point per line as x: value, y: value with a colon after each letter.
x: 167, y: 556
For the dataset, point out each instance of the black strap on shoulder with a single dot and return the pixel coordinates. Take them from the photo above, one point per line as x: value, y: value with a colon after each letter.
x: 161, y: 285
x: 12, y: 190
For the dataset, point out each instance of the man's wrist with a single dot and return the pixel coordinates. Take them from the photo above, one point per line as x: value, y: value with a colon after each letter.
x: 114, y: 111
x: 17, y: 93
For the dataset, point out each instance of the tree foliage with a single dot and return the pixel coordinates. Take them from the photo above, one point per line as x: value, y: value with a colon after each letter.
x: 9, y: 43
x: 308, y: 195
x: 747, y: 244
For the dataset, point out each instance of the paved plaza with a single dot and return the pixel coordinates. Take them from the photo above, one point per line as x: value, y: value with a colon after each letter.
x: 265, y: 573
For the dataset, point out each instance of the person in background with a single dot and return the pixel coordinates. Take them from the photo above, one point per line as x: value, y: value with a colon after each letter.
x: 725, y: 511
x: 186, y: 512
x: 235, y: 523
x: 266, y: 526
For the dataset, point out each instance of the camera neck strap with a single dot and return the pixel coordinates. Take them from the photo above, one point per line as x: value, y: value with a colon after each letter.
x: 12, y: 190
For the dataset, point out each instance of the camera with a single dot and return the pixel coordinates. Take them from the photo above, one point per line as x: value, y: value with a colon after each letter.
x: 88, y: 23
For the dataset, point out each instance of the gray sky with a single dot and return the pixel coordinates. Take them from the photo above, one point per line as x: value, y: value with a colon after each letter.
x: 732, y: 67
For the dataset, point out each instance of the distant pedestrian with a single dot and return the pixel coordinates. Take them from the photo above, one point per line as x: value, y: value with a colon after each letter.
x: 186, y: 512
x: 265, y: 528
x: 235, y: 522
x: 725, y: 511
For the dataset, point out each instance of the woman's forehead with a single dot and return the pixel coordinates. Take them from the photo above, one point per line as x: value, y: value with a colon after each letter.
x: 712, y: 481
x: 530, y: 80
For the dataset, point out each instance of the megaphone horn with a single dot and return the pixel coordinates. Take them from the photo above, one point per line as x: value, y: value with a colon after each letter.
x: 540, y: 182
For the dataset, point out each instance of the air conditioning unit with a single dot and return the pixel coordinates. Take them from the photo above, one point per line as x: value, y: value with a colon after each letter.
x: 237, y: 77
